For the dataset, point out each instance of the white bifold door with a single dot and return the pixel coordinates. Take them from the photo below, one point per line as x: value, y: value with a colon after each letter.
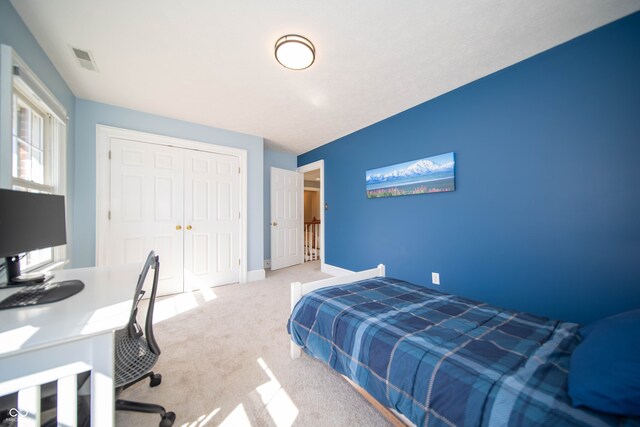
x: 184, y: 204
x: 287, y: 218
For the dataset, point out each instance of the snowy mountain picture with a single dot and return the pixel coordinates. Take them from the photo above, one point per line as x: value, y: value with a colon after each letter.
x: 429, y: 175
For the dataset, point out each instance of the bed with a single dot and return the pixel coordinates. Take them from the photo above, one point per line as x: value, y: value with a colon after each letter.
x: 438, y: 359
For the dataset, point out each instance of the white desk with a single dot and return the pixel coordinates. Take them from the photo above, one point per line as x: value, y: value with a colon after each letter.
x: 49, y: 342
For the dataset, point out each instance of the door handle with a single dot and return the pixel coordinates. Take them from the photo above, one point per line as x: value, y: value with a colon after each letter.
x: 189, y: 227
x: 275, y: 224
x: 178, y: 227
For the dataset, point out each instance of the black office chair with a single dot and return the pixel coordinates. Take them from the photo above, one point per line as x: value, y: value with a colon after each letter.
x: 137, y: 352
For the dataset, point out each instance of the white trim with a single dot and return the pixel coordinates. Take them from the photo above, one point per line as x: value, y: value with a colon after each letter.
x: 38, y: 89
x: 335, y: 271
x: 298, y: 290
x: 44, y: 188
x: 53, y: 266
x: 6, y: 113
x: 103, y: 138
x: 307, y: 168
x: 254, y: 275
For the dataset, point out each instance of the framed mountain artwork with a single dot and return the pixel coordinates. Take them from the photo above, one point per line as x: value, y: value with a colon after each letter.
x: 434, y: 174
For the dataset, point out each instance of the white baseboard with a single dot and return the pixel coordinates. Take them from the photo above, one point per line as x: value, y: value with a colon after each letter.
x: 254, y: 275
x: 335, y: 271
x: 267, y: 264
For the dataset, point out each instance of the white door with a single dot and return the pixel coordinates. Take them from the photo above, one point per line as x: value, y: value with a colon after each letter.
x: 147, y: 208
x: 287, y: 218
x: 182, y: 203
x: 212, y: 220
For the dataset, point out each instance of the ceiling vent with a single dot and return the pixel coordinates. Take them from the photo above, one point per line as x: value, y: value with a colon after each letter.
x: 85, y: 59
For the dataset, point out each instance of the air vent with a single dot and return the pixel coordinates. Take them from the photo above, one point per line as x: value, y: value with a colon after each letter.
x: 85, y: 59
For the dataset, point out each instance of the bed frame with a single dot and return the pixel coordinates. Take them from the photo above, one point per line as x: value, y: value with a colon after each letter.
x: 299, y: 289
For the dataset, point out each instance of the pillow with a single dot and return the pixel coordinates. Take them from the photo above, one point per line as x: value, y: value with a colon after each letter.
x: 605, y: 367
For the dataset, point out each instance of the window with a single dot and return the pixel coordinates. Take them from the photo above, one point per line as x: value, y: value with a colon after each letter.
x: 28, y: 146
x: 37, y: 158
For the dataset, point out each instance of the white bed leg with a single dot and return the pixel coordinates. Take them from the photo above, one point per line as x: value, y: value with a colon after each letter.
x: 381, y: 272
x: 295, y: 351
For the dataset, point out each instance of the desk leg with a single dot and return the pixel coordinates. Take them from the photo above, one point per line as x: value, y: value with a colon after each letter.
x: 102, y: 384
x: 68, y: 401
x: 29, y: 407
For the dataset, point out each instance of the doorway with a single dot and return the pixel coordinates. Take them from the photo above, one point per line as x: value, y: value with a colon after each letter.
x: 312, y: 215
x: 314, y: 212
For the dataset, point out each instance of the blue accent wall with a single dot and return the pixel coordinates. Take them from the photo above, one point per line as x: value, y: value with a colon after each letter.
x: 14, y: 33
x: 546, y: 213
x: 89, y: 114
x: 277, y: 159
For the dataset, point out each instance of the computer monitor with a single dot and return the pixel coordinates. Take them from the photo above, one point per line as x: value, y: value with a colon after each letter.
x: 29, y: 221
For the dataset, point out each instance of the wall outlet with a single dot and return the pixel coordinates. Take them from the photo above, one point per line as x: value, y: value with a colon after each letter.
x: 435, y: 278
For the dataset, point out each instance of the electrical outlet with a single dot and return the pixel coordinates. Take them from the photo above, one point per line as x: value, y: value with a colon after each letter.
x: 435, y: 278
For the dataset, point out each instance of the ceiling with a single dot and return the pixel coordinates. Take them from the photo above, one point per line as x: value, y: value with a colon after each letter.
x: 212, y: 61
x: 313, y: 175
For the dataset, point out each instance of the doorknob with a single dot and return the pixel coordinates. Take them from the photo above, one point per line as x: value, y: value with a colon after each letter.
x: 178, y: 227
x: 274, y: 224
x: 188, y: 227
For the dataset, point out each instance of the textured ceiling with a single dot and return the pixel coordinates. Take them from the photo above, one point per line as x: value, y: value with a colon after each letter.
x: 212, y: 62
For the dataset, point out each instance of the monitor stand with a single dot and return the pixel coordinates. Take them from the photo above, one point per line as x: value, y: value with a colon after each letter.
x: 14, y: 278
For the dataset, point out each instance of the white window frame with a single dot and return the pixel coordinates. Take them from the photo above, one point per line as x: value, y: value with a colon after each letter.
x: 24, y: 84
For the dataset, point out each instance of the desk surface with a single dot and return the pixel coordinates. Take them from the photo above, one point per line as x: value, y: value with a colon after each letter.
x: 103, y: 305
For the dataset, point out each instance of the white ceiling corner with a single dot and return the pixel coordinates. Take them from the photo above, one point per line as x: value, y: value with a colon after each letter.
x: 212, y: 62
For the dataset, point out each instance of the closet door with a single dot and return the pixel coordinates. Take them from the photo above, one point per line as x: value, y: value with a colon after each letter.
x: 147, y: 201
x: 212, y: 219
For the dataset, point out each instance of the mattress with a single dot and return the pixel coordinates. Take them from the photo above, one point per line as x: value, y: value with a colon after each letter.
x: 440, y: 359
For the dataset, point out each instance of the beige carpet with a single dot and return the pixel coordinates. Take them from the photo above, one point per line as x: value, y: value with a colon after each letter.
x: 225, y: 361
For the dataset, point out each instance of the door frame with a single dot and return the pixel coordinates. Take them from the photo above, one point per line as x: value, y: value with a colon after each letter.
x: 307, y: 168
x: 103, y: 185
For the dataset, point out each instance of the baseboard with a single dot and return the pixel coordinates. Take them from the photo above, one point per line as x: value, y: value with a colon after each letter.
x: 254, y: 275
x: 335, y: 271
x: 267, y: 264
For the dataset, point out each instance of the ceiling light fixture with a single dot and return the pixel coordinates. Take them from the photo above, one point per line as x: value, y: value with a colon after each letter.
x: 295, y: 52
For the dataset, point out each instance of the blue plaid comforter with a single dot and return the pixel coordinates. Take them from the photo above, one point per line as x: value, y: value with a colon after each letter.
x: 444, y: 360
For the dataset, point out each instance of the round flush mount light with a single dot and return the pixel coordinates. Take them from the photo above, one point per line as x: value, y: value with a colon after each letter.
x: 295, y: 52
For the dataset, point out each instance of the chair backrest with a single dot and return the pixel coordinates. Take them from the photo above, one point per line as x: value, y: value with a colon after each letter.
x: 133, y: 328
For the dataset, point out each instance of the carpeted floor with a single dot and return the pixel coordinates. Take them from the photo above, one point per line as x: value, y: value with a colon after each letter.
x: 225, y: 361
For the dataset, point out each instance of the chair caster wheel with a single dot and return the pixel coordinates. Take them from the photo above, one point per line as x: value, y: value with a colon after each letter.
x: 155, y: 381
x: 168, y: 419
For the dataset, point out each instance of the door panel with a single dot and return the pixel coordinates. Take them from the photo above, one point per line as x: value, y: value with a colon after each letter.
x: 201, y: 246
x: 212, y: 207
x: 132, y: 197
x: 287, y: 218
x: 146, y: 207
x: 224, y: 202
x: 201, y: 202
x: 224, y: 241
